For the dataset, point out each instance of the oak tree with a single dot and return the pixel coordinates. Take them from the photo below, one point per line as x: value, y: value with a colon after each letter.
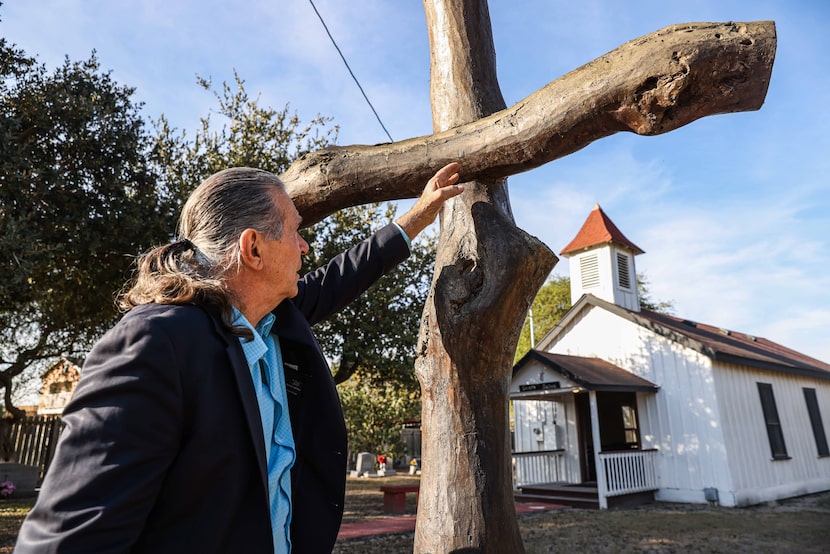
x: 77, y: 203
x: 374, y: 336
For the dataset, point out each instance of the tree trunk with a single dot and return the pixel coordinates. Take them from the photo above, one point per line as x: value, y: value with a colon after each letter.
x: 650, y: 85
x: 487, y: 272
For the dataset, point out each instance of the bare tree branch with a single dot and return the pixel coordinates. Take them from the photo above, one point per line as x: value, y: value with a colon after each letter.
x: 650, y: 85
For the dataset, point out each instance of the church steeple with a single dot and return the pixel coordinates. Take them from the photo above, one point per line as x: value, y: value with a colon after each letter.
x: 602, y: 262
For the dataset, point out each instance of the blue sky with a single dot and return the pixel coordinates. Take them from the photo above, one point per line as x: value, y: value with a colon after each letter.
x: 731, y: 210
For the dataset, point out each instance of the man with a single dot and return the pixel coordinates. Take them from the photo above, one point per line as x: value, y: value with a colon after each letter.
x: 207, y: 419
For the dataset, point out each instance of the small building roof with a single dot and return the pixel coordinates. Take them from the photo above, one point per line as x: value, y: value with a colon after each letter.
x: 590, y: 373
x: 598, y: 229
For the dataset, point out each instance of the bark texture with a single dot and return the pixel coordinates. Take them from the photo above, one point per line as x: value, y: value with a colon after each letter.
x: 487, y: 272
x: 650, y: 85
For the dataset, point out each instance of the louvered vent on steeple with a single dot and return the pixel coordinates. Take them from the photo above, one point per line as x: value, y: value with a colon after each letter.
x: 589, y: 269
x: 623, y: 274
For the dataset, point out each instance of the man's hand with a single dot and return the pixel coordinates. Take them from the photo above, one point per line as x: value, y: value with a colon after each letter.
x: 439, y: 189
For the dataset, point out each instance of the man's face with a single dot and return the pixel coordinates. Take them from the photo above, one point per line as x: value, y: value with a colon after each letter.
x: 283, y: 257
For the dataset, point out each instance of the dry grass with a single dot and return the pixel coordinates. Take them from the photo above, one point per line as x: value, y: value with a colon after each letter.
x: 800, y: 525
x: 365, y: 501
x: 683, y: 528
x: 12, y: 513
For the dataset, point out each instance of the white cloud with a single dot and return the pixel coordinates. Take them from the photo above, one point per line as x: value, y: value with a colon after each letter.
x: 740, y: 266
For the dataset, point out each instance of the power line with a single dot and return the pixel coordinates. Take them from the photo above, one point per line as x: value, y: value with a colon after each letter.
x: 342, y: 57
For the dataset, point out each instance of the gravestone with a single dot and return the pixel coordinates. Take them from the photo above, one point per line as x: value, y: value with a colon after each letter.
x: 24, y: 477
x: 365, y: 465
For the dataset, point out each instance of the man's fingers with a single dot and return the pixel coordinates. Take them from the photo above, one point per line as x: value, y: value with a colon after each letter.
x: 446, y: 176
x: 441, y: 187
x: 450, y: 190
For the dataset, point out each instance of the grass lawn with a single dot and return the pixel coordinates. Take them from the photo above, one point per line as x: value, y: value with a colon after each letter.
x: 800, y: 525
x: 12, y: 513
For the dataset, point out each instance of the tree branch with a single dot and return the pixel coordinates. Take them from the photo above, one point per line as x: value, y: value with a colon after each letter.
x: 650, y: 85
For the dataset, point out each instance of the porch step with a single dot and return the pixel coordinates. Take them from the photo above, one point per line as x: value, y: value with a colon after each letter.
x: 572, y: 501
x: 576, y: 491
x: 579, y: 496
x: 574, y: 496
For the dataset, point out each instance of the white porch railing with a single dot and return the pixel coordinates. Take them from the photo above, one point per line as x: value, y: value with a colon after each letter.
x: 629, y: 471
x: 531, y: 468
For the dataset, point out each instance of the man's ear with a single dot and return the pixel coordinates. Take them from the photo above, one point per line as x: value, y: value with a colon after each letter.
x: 250, y: 249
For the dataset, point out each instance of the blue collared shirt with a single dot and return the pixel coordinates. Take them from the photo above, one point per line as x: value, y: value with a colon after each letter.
x: 265, y: 363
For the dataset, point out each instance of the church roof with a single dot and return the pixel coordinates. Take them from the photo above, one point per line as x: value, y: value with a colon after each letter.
x: 590, y: 373
x: 737, y: 347
x: 598, y: 229
x: 719, y: 344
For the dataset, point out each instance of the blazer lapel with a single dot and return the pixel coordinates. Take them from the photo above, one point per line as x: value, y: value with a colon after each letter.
x: 301, y: 355
x: 245, y: 387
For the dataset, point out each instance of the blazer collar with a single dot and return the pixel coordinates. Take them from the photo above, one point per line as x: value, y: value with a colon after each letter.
x: 291, y: 325
x: 245, y: 387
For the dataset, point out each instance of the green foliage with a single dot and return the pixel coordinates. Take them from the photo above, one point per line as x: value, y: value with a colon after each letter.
x: 83, y: 189
x: 375, y: 415
x: 551, y: 303
x: 374, y: 336
x: 77, y: 202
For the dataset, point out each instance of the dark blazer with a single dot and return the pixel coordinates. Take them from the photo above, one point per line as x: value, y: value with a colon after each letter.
x: 162, y: 449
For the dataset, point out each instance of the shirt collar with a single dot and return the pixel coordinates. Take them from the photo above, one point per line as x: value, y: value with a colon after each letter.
x: 255, y: 348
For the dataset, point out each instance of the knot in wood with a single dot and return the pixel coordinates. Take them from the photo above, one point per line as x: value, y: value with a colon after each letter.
x: 652, y: 102
x: 460, y: 283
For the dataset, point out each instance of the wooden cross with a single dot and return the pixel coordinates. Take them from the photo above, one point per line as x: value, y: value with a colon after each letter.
x: 487, y: 270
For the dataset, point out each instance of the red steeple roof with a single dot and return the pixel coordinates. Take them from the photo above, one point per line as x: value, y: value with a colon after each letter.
x: 598, y: 229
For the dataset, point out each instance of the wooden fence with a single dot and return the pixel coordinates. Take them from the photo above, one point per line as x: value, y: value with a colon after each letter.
x: 33, y: 440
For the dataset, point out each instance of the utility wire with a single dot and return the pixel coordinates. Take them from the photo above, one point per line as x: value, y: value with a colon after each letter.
x: 350, y: 70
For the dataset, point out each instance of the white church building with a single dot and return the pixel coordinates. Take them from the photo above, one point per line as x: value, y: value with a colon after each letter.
x: 622, y: 404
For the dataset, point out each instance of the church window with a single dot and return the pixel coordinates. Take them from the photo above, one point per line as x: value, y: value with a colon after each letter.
x: 815, y: 422
x: 773, y: 423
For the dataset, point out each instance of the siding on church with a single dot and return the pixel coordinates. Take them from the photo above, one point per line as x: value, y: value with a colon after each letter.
x: 759, y: 478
